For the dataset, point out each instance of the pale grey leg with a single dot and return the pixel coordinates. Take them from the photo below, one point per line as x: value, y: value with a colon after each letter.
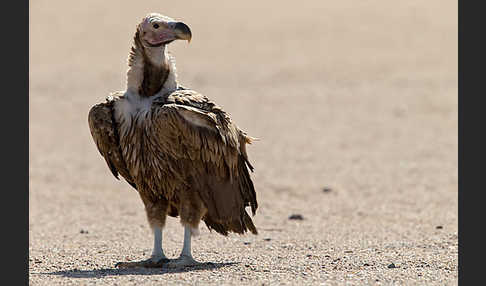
x: 157, y: 259
x: 186, y: 248
x: 158, y: 252
x: 185, y: 259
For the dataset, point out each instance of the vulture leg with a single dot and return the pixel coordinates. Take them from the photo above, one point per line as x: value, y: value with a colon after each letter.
x: 185, y: 259
x: 157, y: 259
x: 158, y: 252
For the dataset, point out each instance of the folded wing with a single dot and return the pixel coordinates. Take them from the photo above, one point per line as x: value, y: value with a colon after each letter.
x: 210, y: 149
x: 104, y: 131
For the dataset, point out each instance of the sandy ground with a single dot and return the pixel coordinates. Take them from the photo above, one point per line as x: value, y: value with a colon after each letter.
x: 358, y: 97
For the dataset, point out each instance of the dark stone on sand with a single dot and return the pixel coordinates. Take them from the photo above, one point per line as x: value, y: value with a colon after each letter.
x: 326, y: 190
x: 296, y: 217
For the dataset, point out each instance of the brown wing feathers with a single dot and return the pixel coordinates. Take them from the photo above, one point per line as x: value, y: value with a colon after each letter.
x: 192, y: 143
x: 105, y: 134
x: 218, y: 163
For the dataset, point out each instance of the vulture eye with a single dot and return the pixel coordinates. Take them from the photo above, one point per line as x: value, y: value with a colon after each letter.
x: 156, y: 26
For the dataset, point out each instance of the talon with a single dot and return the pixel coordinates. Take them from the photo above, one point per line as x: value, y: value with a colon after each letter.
x: 164, y: 260
x: 156, y: 264
x: 183, y: 261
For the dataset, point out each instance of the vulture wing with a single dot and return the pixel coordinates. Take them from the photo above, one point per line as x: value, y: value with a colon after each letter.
x: 105, y: 134
x: 207, y: 149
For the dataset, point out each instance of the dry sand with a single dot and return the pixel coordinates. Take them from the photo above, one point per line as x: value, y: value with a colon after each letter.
x: 356, y: 96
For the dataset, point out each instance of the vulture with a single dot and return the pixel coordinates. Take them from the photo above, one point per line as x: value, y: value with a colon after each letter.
x: 179, y: 150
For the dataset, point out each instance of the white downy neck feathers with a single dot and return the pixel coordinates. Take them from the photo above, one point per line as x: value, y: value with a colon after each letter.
x: 135, y: 104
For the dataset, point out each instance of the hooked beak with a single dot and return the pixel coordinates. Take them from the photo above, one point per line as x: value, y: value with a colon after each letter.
x: 182, y: 32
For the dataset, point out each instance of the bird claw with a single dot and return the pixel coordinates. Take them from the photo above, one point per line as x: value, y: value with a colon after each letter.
x: 182, y: 261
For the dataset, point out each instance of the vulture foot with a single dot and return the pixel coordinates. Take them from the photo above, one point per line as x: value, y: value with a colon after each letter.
x: 182, y: 261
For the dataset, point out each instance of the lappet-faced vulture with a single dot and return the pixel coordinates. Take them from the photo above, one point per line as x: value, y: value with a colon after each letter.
x: 178, y: 149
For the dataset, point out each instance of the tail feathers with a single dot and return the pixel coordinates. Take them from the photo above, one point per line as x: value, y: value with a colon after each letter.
x: 239, y: 225
x: 212, y: 225
x: 249, y: 223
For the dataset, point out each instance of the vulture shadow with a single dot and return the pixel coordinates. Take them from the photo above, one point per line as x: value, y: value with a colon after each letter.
x: 98, y: 273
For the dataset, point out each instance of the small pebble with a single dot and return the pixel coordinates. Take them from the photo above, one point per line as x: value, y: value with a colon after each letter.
x: 296, y: 217
x: 326, y: 190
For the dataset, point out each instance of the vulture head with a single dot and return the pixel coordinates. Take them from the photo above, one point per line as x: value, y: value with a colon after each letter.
x: 157, y: 30
x: 151, y: 67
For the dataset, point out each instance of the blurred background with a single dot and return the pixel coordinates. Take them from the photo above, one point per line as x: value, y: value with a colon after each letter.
x: 355, y: 97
